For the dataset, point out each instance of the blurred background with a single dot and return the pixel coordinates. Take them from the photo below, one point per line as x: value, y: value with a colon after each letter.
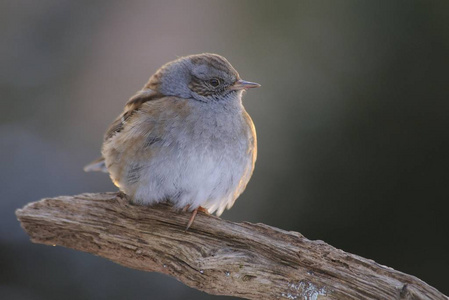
x: 352, y: 121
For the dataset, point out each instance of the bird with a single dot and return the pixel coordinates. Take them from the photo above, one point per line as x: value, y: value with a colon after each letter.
x: 185, y: 137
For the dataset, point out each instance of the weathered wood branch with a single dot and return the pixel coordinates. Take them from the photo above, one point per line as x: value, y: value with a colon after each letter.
x: 253, y: 261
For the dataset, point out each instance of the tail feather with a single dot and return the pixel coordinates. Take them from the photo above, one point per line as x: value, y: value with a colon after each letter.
x: 96, y: 165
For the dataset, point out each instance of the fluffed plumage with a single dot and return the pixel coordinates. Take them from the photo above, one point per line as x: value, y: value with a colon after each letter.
x: 185, y: 137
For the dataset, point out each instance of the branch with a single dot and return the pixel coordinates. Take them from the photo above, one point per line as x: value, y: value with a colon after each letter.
x: 253, y: 261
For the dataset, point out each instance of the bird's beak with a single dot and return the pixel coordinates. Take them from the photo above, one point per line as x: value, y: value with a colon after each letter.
x: 244, y: 85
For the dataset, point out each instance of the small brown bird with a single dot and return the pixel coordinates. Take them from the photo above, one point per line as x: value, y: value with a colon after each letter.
x: 185, y: 137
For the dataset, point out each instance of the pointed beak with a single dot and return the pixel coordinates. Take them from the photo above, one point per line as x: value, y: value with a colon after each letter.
x: 244, y: 85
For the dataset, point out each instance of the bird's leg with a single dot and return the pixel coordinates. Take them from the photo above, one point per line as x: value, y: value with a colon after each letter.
x: 192, y: 218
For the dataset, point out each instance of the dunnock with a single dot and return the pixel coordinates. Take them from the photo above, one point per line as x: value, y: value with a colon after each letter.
x: 185, y: 137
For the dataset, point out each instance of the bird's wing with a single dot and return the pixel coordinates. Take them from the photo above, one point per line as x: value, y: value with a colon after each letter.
x: 133, y: 105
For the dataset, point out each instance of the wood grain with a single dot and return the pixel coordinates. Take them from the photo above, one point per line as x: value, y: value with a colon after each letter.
x: 252, y: 261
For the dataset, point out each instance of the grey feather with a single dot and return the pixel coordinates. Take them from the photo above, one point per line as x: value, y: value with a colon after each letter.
x: 97, y: 165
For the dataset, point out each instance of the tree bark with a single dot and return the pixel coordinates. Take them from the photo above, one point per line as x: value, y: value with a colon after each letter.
x: 252, y: 261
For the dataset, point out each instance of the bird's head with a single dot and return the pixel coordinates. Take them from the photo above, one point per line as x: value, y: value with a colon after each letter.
x: 203, y: 77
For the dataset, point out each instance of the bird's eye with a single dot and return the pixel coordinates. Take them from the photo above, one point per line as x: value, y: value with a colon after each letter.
x: 214, y: 82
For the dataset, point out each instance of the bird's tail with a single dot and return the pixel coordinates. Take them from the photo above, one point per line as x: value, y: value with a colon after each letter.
x: 96, y: 165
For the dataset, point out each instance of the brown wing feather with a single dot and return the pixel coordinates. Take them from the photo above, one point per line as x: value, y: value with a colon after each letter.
x: 131, y: 107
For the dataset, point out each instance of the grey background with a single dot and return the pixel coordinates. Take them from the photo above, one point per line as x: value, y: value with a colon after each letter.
x: 352, y: 121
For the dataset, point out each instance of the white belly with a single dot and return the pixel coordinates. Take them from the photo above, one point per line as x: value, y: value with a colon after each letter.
x: 203, y: 160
